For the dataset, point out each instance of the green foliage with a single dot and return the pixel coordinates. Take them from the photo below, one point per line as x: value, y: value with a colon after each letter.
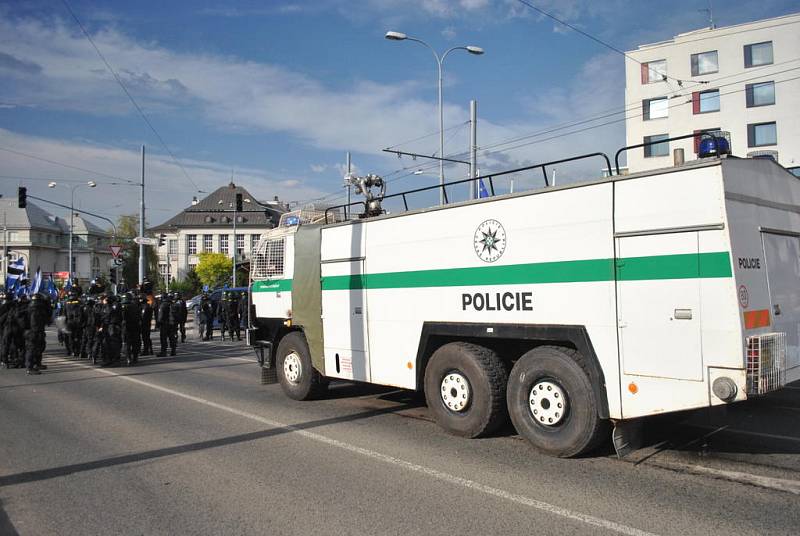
x: 213, y: 268
x: 127, y: 230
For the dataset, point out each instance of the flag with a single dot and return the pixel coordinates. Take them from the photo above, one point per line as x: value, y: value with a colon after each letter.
x: 51, y: 290
x: 37, y: 281
x: 16, y: 270
x: 482, y: 191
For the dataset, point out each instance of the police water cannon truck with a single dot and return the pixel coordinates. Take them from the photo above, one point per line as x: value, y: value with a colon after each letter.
x: 568, y: 309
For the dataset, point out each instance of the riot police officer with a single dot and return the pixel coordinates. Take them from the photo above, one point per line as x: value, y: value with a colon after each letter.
x: 147, y: 323
x: 167, y: 324
x: 131, y: 328
x: 206, y: 318
x: 89, y: 322
x: 98, y: 349
x: 222, y: 314
x: 22, y: 324
x: 38, y: 318
x: 7, y: 325
x: 182, y: 313
x: 75, y: 321
x: 112, y: 331
x: 232, y: 316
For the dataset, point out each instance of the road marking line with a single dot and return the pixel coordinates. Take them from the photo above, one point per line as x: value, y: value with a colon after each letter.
x: 434, y: 473
x: 779, y: 484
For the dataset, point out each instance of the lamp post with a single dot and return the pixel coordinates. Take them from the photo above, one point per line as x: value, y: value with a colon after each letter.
x: 90, y: 184
x: 477, y: 51
x: 235, y: 245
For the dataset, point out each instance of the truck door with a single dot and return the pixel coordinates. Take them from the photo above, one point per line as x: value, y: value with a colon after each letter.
x: 344, y: 319
x: 658, y: 293
x: 782, y: 256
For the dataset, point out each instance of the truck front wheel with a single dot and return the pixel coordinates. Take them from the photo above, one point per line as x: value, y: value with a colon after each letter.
x: 465, y: 388
x: 297, y: 376
x: 552, y: 404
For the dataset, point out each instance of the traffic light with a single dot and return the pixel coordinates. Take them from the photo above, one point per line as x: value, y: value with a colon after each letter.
x: 112, y: 276
x: 238, y: 202
x: 22, y: 197
x: 162, y: 239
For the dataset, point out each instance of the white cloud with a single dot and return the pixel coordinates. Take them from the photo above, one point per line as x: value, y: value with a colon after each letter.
x: 168, y: 191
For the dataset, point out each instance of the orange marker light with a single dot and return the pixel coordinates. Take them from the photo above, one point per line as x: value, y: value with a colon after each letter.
x: 410, y: 365
x: 633, y: 388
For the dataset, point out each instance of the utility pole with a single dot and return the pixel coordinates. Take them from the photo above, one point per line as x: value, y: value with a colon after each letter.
x: 142, y: 260
x: 473, y: 148
x: 5, y: 250
x: 347, y: 184
x: 235, y: 244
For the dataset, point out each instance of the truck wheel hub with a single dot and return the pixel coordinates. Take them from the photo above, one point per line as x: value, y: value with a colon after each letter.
x: 548, y: 403
x: 455, y: 391
x: 292, y: 368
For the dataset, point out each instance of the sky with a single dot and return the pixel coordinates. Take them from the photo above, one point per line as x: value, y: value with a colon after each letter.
x: 274, y: 93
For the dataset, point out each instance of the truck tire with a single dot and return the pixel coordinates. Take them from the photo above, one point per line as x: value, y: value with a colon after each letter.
x: 552, y: 404
x: 297, y: 376
x: 465, y: 388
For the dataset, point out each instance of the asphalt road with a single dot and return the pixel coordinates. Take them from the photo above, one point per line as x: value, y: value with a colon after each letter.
x: 195, y: 445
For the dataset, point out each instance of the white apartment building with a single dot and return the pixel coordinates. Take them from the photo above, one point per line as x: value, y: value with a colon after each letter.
x: 743, y: 79
x: 207, y: 226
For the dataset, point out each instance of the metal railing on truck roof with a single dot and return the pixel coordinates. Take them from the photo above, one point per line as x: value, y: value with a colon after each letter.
x: 489, y: 178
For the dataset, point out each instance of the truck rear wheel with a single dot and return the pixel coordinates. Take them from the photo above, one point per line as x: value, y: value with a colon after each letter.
x: 552, y: 404
x: 465, y: 388
x: 297, y: 376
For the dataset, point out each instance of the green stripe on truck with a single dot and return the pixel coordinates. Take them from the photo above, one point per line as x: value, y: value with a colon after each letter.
x: 682, y: 266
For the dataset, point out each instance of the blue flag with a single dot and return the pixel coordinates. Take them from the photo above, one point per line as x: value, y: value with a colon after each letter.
x: 482, y: 191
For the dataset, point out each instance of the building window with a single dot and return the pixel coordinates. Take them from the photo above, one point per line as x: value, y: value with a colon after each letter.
x: 164, y: 272
x: 13, y: 236
x: 758, y: 54
x: 173, y: 246
x: 254, y: 238
x: 654, y: 71
x: 223, y: 243
x: 239, y: 244
x: 657, y: 149
x: 208, y: 242
x: 760, y: 94
x: 698, y: 136
x: 705, y: 63
x: 761, y: 134
x: 705, y: 101
x: 655, y: 108
x: 191, y: 244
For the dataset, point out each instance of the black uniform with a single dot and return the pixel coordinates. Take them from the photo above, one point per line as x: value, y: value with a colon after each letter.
x: 147, y: 323
x: 7, y: 326
x: 112, y: 330
x: 89, y: 330
x: 167, y: 324
x: 131, y: 331
x: 232, y: 317
x: 206, y: 319
x: 22, y: 324
x: 38, y: 317
x: 182, y: 315
x: 98, y: 347
x: 75, y: 322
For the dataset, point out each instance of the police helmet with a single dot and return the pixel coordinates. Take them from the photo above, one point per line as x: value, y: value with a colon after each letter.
x: 126, y: 298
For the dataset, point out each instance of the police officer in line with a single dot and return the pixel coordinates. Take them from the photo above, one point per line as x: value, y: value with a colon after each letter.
x: 232, y: 315
x: 22, y: 324
x: 222, y: 314
x: 8, y: 324
x: 111, y: 327
x: 131, y: 328
x: 38, y: 318
x: 98, y: 349
x: 147, y: 324
x: 89, y: 329
x: 182, y: 314
x: 167, y: 324
x: 206, y: 318
x: 73, y: 310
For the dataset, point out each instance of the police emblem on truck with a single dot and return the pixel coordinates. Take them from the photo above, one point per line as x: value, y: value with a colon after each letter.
x: 490, y: 240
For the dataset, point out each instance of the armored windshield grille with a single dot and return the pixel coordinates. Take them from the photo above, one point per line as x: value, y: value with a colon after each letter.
x: 303, y: 216
x: 766, y: 363
x: 268, y: 258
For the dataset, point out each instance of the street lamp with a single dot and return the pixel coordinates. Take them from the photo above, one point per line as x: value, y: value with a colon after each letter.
x: 90, y: 184
x: 477, y: 51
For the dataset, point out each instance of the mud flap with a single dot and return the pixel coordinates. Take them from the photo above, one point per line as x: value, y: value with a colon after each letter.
x: 627, y: 436
x: 263, y: 350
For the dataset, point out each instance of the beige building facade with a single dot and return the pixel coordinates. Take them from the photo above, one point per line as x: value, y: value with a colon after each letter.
x: 742, y: 79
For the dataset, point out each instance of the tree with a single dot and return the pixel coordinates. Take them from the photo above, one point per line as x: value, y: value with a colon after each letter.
x: 127, y: 230
x: 213, y: 268
x: 188, y: 286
